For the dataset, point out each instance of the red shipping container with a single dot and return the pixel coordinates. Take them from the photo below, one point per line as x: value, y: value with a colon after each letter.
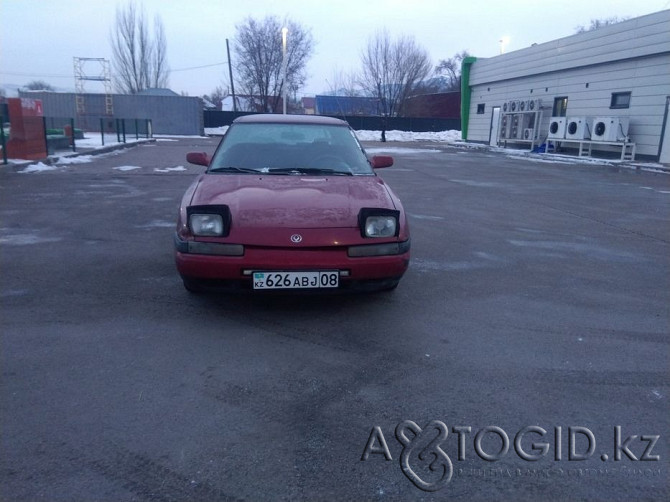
x: 26, y: 137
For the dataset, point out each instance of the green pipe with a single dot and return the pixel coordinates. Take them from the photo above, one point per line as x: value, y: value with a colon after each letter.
x: 466, y: 95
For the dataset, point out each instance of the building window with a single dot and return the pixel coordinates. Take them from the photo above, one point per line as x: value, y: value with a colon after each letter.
x: 481, y: 109
x: 560, y: 107
x: 620, y: 100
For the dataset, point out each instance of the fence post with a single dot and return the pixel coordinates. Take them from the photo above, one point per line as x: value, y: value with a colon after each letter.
x: 118, y: 131
x: 102, y: 131
x: 137, y: 130
x: 150, y: 128
x: 74, y: 147
x: 44, y: 128
x: 2, y: 139
x: 123, y: 127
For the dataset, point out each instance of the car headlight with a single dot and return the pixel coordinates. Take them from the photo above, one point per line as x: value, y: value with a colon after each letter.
x: 378, y: 223
x: 209, y: 221
x: 206, y: 224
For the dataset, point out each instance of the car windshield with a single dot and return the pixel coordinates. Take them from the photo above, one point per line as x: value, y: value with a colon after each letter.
x: 290, y: 149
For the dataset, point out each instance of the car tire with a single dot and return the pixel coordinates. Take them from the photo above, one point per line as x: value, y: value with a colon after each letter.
x: 192, y: 286
x: 392, y: 286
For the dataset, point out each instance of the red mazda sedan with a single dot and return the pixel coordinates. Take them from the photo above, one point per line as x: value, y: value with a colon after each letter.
x: 291, y: 202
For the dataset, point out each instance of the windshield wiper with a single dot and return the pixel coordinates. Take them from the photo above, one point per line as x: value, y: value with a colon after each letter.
x: 233, y: 169
x: 307, y: 170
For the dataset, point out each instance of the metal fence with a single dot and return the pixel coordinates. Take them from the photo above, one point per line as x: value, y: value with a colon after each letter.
x: 214, y: 118
x: 179, y: 115
x: 61, y: 133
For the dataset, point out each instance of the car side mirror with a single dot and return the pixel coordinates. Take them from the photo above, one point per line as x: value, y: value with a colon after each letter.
x: 379, y: 161
x: 198, y: 158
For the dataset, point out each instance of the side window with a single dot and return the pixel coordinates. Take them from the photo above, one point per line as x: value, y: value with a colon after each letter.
x: 481, y: 109
x: 620, y: 100
x: 560, y: 107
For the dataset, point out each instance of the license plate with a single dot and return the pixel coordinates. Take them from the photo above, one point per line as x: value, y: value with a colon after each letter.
x: 296, y: 280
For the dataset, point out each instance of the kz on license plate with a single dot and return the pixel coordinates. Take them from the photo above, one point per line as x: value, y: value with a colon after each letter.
x: 296, y: 280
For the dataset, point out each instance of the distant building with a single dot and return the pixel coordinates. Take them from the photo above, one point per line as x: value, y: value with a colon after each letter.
x: 613, y: 80
x: 246, y: 103
x: 308, y: 105
x: 156, y: 91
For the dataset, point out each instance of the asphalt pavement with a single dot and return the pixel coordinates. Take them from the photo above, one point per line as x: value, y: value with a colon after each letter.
x: 524, y: 356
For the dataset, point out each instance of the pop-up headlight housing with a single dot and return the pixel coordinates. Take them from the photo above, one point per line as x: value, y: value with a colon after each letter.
x: 209, y: 221
x: 379, y: 223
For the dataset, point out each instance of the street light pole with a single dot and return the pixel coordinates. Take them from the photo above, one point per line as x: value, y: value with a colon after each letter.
x: 284, y: 31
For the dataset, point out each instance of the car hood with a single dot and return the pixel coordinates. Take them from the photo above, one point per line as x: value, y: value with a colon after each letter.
x: 293, y: 201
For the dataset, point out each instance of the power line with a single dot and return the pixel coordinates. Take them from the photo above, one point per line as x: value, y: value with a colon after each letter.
x: 203, y: 66
x: 36, y: 75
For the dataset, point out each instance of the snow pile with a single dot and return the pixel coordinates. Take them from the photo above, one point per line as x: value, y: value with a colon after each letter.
x: 215, y: 131
x: 408, y: 136
x: 38, y: 168
x: 82, y: 159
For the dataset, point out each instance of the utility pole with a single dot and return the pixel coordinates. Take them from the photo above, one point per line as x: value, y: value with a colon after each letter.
x: 230, y: 73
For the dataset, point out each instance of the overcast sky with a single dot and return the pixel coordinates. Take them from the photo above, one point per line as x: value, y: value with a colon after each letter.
x: 39, y: 38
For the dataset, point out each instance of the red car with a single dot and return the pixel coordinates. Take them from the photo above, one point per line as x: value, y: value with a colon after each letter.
x: 291, y: 202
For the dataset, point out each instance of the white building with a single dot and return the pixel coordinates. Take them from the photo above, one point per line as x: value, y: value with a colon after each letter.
x: 617, y: 76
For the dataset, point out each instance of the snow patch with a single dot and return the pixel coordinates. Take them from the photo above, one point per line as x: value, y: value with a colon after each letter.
x: 82, y: 159
x: 443, y: 136
x: 25, y: 239
x: 38, y: 168
x: 126, y: 168
x: 399, y: 150
x: 216, y: 131
x: 168, y: 169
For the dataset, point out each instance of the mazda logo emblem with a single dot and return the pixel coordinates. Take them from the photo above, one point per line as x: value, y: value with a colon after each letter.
x: 296, y: 238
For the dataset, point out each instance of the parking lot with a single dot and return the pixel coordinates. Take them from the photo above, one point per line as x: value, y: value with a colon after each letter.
x: 537, y: 299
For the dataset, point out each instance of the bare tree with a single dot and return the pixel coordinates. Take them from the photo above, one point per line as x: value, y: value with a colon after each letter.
x: 140, y: 62
x: 344, y: 84
x: 600, y: 23
x: 392, y: 69
x: 38, y: 85
x: 451, y: 70
x: 259, y: 54
x: 217, y: 96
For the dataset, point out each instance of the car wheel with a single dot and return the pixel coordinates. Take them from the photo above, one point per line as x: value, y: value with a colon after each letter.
x: 192, y: 286
x: 392, y: 286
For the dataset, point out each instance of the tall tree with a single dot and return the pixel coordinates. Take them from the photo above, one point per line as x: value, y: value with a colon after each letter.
x: 217, y: 96
x: 600, y: 23
x: 451, y: 69
x: 38, y: 85
x: 259, y: 53
x: 392, y: 69
x: 344, y: 84
x: 140, y: 61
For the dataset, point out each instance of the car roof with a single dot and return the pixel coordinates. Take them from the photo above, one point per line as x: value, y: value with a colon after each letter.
x: 275, y: 118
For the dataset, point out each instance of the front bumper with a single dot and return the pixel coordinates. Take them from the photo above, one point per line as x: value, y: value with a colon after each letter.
x: 231, y: 262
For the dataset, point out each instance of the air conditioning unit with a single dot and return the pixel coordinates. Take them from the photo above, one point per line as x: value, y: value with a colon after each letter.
x: 578, y: 128
x: 523, y: 105
x: 507, y: 106
x: 527, y: 121
x: 534, y: 105
x: 529, y: 134
x: 609, y: 128
x: 516, y: 119
x: 514, y: 105
x: 557, y: 128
